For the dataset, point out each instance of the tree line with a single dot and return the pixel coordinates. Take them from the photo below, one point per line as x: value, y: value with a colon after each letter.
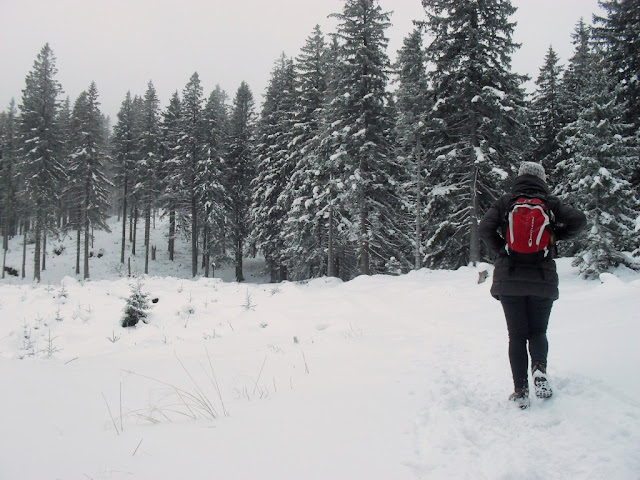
x: 353, y: 165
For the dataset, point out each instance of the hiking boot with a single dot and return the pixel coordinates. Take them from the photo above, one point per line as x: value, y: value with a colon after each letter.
x: 541, y: 383
x: 521, y: 398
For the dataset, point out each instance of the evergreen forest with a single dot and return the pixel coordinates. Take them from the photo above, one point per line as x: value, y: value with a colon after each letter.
x: 352, y: 165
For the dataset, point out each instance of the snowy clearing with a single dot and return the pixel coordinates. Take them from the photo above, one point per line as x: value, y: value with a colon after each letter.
x: 377, y: 378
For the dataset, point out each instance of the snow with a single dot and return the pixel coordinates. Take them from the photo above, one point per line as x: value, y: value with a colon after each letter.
x: 480, y: 158
x: 402, y: 377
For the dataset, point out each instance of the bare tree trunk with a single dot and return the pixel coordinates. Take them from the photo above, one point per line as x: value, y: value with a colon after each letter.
x: 331, y: 267
x: 172, y: 232
x: 125, y: 193
x: 418, y: 240
x: 78, y: 242
x: 36, y: 254
x: 44, y: 251
x: 24, y: 250
x: 135, y: 230
x: 87, y: 235
x: 4, y: 261
x: 206, y: 249
x: 194, y: 236
x: 474, y: 238
x: 5, y: 242
x: 87, y: 232
x: 239, y: 275
x: 365, y: 267
x: 147, y: 234
x: 131, y: 223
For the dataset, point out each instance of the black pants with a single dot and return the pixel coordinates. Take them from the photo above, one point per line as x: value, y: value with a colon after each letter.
x: 527, y: 320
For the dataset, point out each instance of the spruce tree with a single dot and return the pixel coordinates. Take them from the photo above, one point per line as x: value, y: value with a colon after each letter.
x: 271, y: 194
x: 619, y: 32
x: 8, y: 186
x: 40, y: 168
x: 125, y: 142
x: 64, y: 154
x: 602, y: 154
x: 169, y: 170
x: 191, y: 152
x: 306, y: 227
x: 137, y: 306
x: 361, y: 123
x: 413, y: 133
x: 546, y: 115
x: 210, y: 174
x: 89, y: 185
x: 576, y: 76
x: 480, y: 109
x: 241, y: 162
x: 147, y: 188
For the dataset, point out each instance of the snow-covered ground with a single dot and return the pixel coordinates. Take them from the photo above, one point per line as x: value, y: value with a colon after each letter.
x: 377, y: 378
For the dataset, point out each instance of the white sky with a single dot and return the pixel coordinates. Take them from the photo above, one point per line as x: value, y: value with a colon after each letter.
x: 122, y: 44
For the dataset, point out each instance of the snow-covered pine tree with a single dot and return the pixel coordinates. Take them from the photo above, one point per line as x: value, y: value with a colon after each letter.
x: 134, y: 197
x: 620, y: 33
x: 602, y: 156
x: 210, y: 175
x: 190, y: 154
x: 169, y: 170
x: 361, y: 121
x: 272, y: 197
x: 8, y: 186
x: 305, y: 229
x: 241, y: 171
x: 576, y: 76
x: 480, y: 109
x: 88, y: 182
x: 342, y: 253
x: 40, y: 169
x: 146, y: 168
x: 137, y: 305
x: 546, y: 115
x: 413, y: 104
x: 125, y: 150
x: 65, y: 146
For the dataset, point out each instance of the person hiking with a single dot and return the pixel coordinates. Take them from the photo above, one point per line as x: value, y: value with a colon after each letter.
x: 521, y: 227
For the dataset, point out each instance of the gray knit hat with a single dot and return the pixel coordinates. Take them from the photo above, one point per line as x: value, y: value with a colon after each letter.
x: 532, y: 168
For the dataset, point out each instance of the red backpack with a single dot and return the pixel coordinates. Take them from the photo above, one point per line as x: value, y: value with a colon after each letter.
x: 528, y: 226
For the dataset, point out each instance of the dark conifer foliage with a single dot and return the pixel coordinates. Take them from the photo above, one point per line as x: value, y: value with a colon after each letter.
x: 40, y: 170
x: 125, y: 152
x: 546, y: 120
x: 169, y: 169
x: 89, y: 187
x: 307, y: 226
x: 358, y: 138
x: 214, y: 170
x: 597, y: 172
x: 66, y: 146
x: 8, y: 184
x: 272, y: 198
x: 241, y: 171
x: 147, y: 188
x: 414, y: 130
x: 341, y: 172
x: 191, y: 153
x: 480, y: 107
x: 619, y: 32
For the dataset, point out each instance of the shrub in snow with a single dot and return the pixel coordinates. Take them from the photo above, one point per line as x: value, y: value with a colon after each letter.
x: 136, y: 307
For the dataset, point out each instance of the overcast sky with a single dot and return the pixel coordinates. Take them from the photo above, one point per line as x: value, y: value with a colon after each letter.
x: 122, y: 44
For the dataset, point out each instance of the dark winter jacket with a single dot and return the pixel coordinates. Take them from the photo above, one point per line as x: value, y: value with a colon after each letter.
x: 533, y: 274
